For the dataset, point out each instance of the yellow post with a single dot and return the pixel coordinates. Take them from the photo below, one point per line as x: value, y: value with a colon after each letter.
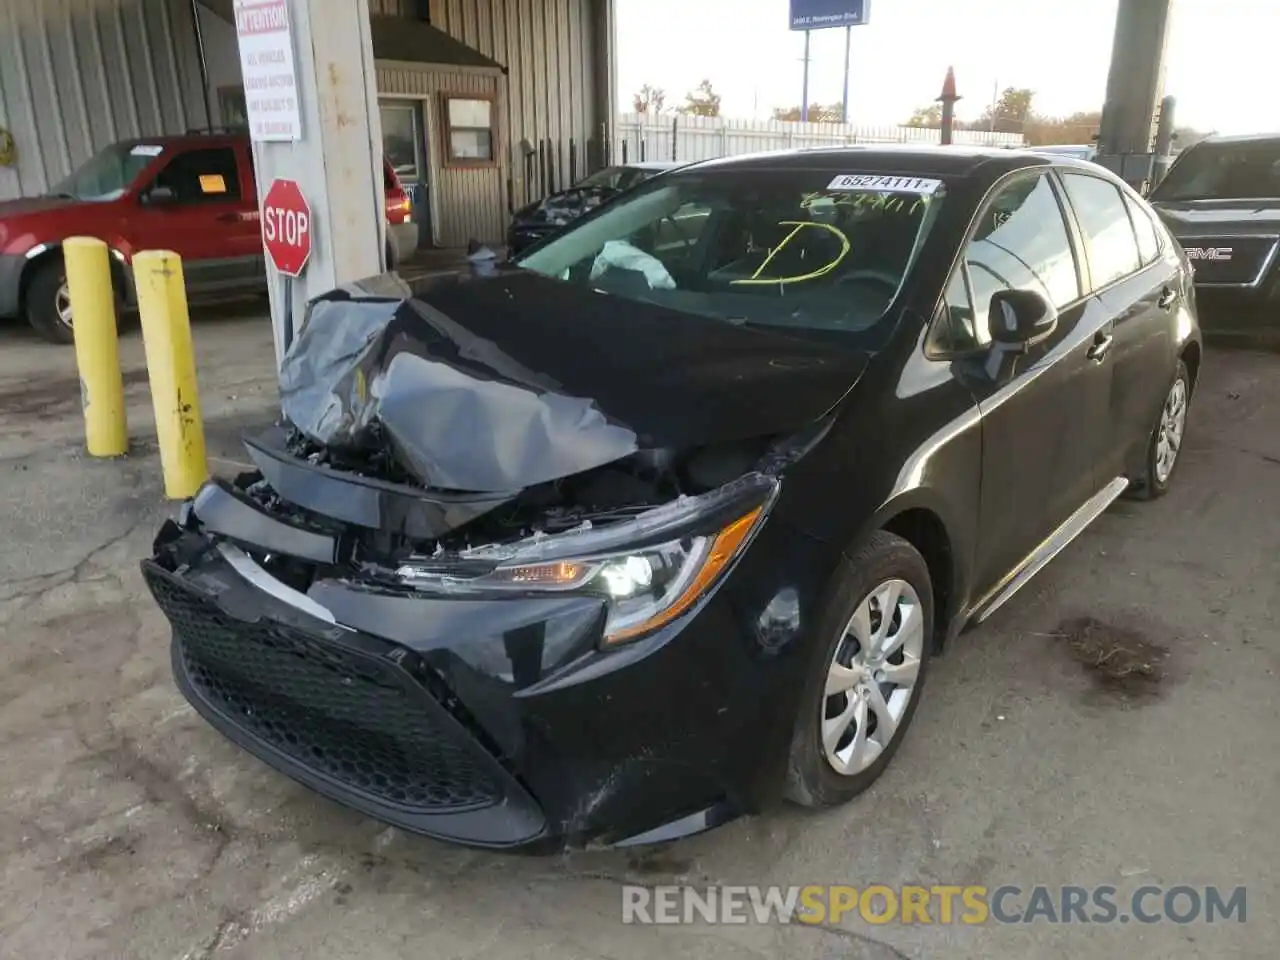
x: 93, y: 309
x: 171, y: 368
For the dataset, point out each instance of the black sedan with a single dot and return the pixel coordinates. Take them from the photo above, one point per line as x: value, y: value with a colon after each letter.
x: 544, y: 218
x: 664, y: 521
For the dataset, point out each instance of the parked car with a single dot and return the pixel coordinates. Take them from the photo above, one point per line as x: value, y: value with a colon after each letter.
x: 194, y: 194
x: 542, y: 219
x: 1221, y: 199
x: 660, y: 524
x: 1081, y: 151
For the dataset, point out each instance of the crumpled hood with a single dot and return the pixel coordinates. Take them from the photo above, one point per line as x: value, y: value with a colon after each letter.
x: 564, y: 207
x: 500, y: 384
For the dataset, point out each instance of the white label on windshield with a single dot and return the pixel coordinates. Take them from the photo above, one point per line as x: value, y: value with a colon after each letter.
x: 147, y: 150
x: 865, y: 181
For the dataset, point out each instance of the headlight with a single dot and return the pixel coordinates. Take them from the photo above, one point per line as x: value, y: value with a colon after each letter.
x: 644, y: 589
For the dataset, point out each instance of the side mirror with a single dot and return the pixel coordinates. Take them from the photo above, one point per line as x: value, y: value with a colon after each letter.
x: 1017, y: 321
x: 158, y: 197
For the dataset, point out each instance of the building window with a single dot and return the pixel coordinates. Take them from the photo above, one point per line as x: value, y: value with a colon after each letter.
x: 469, y: 130
x: 231, y: 106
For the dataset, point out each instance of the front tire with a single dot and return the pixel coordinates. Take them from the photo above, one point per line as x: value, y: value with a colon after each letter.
x: 862, y: 694
x: 1164, y: 448
x: 48, y: 305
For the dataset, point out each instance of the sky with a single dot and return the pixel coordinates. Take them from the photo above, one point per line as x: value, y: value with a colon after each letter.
x: 1221, y: 60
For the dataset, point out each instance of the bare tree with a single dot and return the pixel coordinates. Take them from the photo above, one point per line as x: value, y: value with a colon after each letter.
x: 649, y: 99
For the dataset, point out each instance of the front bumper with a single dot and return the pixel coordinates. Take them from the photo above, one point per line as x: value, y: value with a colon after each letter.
x: 494, y: 723
x: 343, y: 712
x: 11, y: 267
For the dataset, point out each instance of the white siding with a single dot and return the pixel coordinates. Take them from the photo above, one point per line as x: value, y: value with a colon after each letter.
x: 649, y: 137
x: 76, y: 75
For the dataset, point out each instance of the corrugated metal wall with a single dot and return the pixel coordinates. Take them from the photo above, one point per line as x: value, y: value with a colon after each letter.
x: 76, y: 75
x: 467, y: 203
x: 549, y: 48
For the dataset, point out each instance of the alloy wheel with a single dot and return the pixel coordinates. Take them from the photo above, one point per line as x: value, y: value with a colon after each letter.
x: 1173, y: 422
x: 62, y: 303
x: 872, y: 677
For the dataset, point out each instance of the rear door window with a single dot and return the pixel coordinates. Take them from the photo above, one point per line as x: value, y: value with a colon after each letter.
x: 1148, y: 242
x: 1110, y: 241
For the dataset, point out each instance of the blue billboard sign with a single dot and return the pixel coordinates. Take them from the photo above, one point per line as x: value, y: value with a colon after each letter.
x: 820, y: 14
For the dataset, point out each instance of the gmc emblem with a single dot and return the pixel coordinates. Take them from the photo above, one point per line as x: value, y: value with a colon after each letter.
x: 1208, y: 253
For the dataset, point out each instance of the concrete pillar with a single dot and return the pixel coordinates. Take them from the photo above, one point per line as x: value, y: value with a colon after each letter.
x: 337, y: 161
x: 1134, y: 85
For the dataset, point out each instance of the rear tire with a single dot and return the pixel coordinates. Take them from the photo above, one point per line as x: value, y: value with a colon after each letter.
x: 44, y: 300
x: 889, y: 576
x: 1164, y: 447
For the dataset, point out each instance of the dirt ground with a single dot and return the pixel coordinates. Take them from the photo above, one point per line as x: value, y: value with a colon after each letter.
x: 1115, y: 724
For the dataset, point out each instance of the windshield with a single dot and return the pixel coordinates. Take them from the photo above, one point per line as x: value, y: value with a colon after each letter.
x: 1228, y: 171
x: 107, y: 174
x: 612, y: 178
x: 796, y: 249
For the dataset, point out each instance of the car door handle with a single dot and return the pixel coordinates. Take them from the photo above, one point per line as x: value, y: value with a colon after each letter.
x: 1168, y: 296
x: 1101, y: 346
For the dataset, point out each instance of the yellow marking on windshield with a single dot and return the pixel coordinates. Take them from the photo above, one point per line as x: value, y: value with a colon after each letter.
x: 799, y: 225
x: 778, y: 249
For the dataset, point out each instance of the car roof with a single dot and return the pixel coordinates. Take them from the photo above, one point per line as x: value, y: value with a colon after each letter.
x: 903, y: 159
x: 653, y: 165
x: 191, y: 136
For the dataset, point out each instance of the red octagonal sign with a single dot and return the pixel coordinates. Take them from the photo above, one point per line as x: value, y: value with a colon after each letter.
x: 286, y: 227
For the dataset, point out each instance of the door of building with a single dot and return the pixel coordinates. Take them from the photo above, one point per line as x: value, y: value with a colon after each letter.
x: 404, y: 144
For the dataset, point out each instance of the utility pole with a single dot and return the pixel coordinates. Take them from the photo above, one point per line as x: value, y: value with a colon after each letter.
x: 948, y: 100
x: 844, y: 100
x: 804, y: 96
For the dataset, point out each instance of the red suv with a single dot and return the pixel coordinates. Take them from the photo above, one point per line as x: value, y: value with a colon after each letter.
x: 193, y: 194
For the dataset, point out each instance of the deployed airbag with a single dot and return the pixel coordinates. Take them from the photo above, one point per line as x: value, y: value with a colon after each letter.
x: 458, y: 413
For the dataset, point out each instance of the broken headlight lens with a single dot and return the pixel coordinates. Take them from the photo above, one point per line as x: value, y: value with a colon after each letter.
x: 648, y: 588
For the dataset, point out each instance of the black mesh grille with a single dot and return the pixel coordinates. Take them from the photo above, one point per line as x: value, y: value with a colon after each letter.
x: 332, y: 709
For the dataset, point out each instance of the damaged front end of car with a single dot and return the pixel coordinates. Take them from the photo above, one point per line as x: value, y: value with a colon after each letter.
x: 448, y: 593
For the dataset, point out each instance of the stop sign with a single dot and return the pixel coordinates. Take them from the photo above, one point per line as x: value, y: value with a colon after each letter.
x: 286, y: 227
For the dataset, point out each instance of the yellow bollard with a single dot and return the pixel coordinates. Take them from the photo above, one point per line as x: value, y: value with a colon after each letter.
x: 171, y: 367
x: 93, y: 308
